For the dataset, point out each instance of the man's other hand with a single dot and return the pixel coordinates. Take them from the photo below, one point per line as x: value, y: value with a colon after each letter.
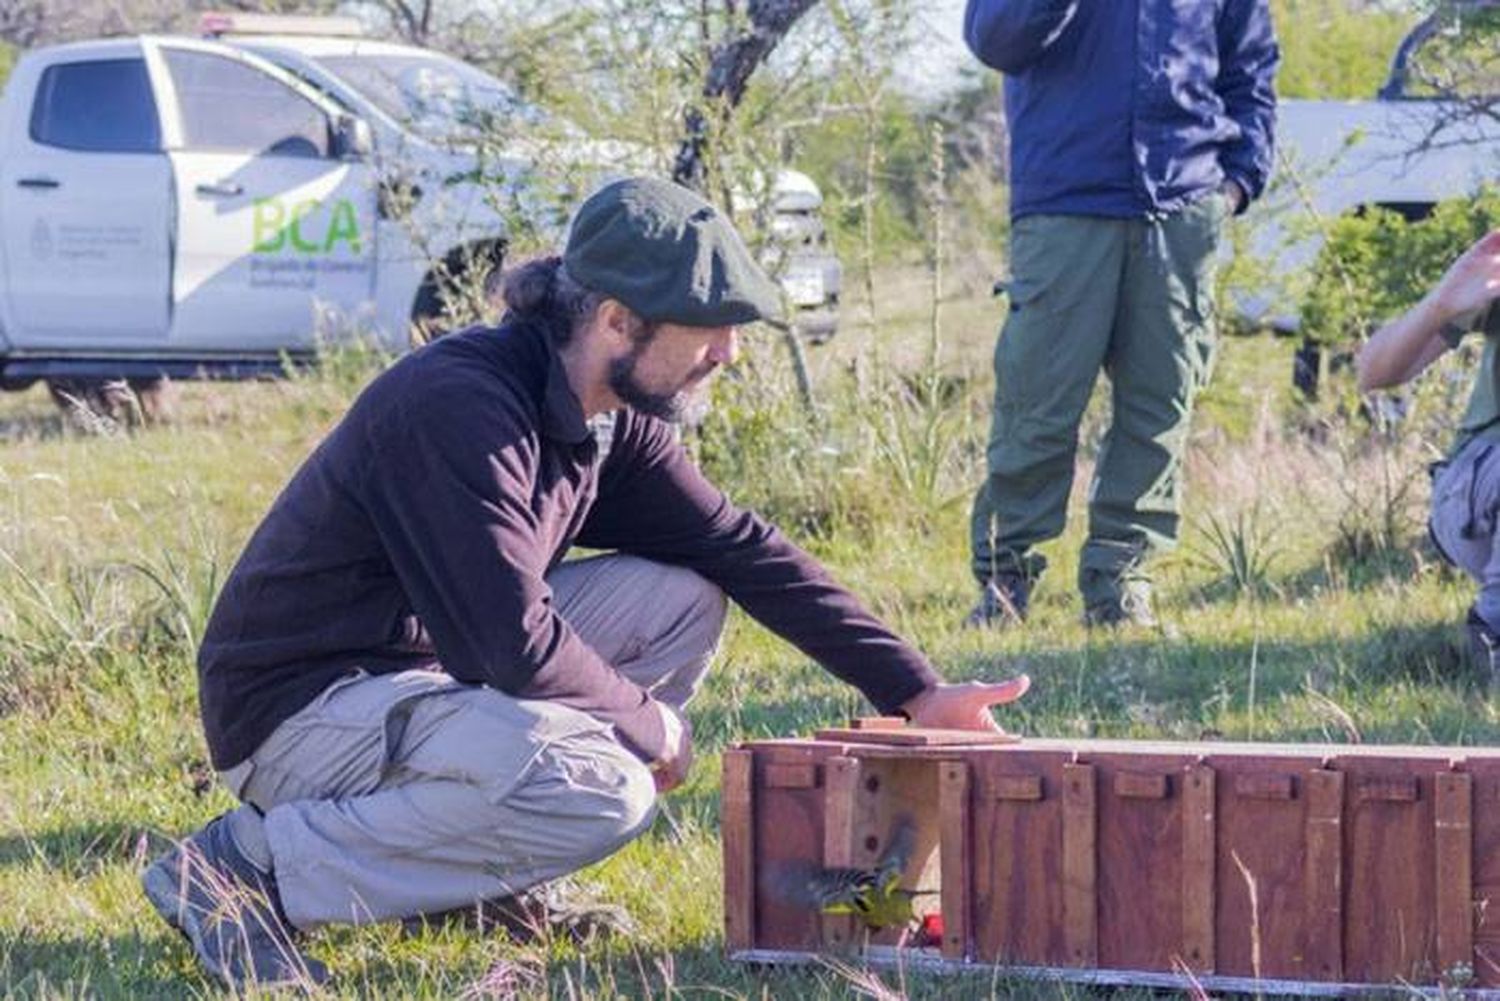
x: 1234, y: 195
x: 964, y: 706
x: 672, y: 770
x: 1473, y: 281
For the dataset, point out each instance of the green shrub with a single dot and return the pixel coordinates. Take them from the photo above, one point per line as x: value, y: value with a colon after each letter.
x: 889, y: 454
x: 1375, y: 265
x: 7, y: 61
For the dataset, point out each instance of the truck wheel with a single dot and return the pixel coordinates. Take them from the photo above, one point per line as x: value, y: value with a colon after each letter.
x: 155, y: 397
x: 464, y: 289
x: 103, y: 406
x: 429, y: 317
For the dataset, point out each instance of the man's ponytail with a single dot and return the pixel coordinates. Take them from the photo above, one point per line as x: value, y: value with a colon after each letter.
x: 541, y: 291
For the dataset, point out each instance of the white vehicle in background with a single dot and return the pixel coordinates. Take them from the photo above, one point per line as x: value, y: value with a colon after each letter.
x: 191, y: 207
x: 426, y: 106
x: 799, y: 254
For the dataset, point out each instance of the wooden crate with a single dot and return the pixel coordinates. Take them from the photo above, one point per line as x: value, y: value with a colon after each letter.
x: 1280, y: 868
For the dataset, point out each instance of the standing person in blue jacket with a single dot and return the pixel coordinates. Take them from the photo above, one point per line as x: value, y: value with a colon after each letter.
x: 1136, y: 128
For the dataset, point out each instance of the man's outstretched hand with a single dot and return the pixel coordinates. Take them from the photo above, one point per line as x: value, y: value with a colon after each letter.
x: 1473, y: 281
x: 965, y: 705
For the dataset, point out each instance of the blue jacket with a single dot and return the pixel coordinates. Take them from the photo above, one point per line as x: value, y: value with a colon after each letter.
x: 1128, y: 108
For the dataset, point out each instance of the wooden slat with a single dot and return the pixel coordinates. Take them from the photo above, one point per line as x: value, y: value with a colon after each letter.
x: 1325, y: 860
x: 1387, y: 789
x: 1080, y: 865
x: 1199, y: 822
x: 840, y: 784
x: 790, y: 775
x: 1453, y: 817
x: 878, y: 723
x: 1265, y: 786
x: 957, y: 849
x: 737, y: 822
x: 1020, y: 788
x: 1137, y: 785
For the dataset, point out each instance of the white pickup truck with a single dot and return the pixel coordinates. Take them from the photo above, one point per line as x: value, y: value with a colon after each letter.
x: 1397, y: 151
x: 191, y: 207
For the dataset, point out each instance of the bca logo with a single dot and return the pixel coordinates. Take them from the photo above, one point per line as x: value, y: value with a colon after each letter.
x: 41, y: 240
x: 304, y: 227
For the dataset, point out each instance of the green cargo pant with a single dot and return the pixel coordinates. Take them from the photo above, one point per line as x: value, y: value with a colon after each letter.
x: 1133, y: 297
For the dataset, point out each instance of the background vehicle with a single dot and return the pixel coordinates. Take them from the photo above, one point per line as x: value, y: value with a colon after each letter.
x: 213, y: 207
x: 1400, y: 151
x: 800, y: 256
x: 427, y: 108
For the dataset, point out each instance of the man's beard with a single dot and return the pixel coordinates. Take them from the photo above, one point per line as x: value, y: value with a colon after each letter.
x: 674, y: 406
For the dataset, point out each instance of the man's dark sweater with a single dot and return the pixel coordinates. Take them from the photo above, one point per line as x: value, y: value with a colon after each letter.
x: 419, y: 534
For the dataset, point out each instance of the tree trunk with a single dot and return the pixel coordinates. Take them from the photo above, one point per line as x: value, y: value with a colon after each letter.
x: 733, y: 60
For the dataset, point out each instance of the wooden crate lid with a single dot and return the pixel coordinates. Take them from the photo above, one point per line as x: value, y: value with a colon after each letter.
x: 897, y: 732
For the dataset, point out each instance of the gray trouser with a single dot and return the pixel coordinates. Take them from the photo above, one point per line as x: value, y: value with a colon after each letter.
x: 402, y: 794
x: 1465, y: 496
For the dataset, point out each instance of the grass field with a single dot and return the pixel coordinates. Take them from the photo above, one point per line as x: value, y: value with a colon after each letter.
x: 1306, y: 604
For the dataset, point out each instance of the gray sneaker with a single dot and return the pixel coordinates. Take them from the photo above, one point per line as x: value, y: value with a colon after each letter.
x: 1002, y: 602
x: 229, y: 911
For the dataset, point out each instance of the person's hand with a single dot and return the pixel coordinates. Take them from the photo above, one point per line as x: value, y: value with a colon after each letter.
x: 672, y: 770
x: 964, y: 706
x: 1471, y: 282
x: 1234, y: 195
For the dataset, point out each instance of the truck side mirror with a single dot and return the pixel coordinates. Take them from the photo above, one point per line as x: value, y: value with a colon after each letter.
x: 352, y: 138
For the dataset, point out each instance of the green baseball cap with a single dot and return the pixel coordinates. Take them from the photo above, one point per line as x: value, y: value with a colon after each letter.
x: 668, y: 255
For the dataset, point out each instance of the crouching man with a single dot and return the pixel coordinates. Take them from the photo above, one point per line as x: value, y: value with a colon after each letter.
x: 420, y: 706
x: 1466, y: 486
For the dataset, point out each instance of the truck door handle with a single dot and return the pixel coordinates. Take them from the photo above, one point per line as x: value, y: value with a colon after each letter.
x: 223, y: 189
x: 44, y: 183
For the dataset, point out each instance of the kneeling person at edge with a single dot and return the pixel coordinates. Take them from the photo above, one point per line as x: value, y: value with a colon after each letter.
x: 420, y: 706
x: 1466, y: 485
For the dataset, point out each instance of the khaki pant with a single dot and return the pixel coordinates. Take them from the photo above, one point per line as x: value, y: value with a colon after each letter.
x: 1132, y: 298
x: 402, y: 794
x: 1465, y: 521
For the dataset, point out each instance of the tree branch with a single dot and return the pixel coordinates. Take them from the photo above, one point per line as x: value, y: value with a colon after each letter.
x: 733, y: 60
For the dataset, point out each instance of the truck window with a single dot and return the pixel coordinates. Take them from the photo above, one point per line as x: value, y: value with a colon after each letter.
x: 100, y: 106
x: 440, y: 98
x: 230, y: 107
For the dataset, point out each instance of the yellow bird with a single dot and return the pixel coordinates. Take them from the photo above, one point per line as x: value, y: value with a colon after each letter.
x: 872, y: 895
